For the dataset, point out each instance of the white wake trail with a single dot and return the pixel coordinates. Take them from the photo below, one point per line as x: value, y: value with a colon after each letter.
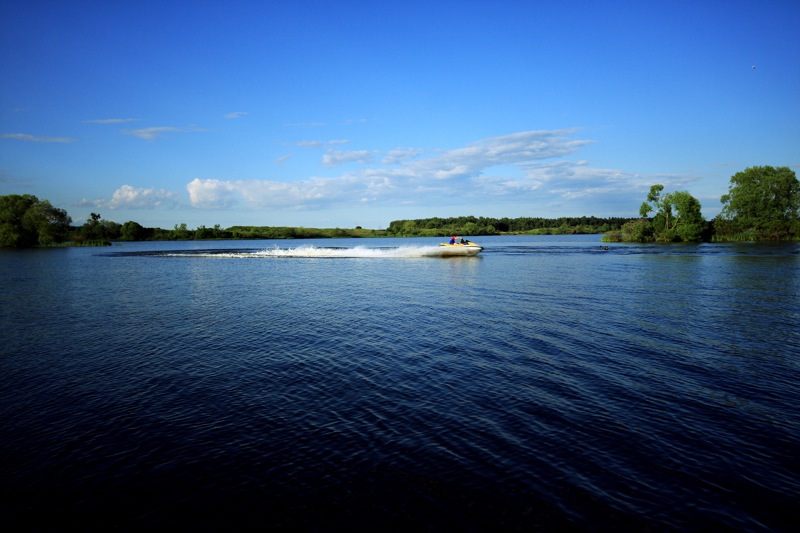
x: 355, y: 252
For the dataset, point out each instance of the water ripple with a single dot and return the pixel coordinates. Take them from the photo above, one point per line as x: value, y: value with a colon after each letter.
x: 540, y: 387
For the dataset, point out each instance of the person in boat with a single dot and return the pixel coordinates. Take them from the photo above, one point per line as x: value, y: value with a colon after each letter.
x: 453, y: 239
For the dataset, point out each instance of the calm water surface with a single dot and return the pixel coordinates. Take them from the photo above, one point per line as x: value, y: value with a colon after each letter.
x: 330, y: 385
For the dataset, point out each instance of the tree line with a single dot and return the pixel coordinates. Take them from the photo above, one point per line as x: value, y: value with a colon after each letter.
x: 470, y: 225
x: 762, y: 203
x: 26, y: 221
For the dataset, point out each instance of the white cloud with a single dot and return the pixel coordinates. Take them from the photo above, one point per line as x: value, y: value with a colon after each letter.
x: 399, y: 155
x: 514, y: 149
x: 36, y: 139
x: 527, y: 167
x: 138, y: 198
x: 236, y: 114
x: 212, y: 193
x: 334, y: 158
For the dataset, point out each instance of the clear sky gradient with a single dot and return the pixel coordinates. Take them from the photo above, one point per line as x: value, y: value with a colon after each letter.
x: 357, y: 113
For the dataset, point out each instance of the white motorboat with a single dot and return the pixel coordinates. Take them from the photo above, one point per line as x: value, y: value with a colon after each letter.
x: 468, y: 248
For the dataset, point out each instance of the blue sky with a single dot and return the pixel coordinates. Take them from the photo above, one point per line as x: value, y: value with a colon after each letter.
x: 357, y: 113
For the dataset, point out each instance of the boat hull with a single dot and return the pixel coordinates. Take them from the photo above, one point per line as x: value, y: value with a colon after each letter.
x: 459, y: 249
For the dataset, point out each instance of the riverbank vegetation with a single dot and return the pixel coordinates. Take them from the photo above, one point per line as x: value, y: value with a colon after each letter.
x: 762, y: 203
x: 18, y: 229
x: 26, y: 221
x: 677, y: 218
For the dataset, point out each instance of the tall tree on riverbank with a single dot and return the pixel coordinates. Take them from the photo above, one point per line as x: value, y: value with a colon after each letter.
x: 27, y: 221
x: 762, y: 203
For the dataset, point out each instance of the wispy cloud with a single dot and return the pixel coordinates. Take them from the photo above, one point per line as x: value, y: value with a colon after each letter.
x: 513, y: 149
x: 37, y: 139
x: 535, y: 167
x: 131, y: 197
x: 399, y: 155
x: 151, y: 133
x: 155, y: 132
x: 236, y: 114
x: 85, y: 202
x: 404, y: 174
x: 111, y: 120
x: 335, y: 158
x: 321, y: 144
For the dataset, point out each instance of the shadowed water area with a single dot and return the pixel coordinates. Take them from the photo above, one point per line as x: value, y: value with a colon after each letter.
x: 546, y: 383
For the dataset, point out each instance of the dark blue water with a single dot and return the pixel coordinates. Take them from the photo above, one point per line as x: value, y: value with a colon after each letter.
x: 331, y: 385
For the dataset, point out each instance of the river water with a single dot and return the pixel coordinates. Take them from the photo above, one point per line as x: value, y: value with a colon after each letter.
x: 547, y: 383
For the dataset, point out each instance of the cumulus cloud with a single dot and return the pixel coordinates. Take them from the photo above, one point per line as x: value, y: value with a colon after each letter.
x: 36, y: 139
x: 139, y: 198
x: 213, y: 193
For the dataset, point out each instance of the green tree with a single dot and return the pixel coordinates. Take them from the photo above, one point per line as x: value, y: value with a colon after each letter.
x: 26, y: 221
x: 409, y: 228
x: 181, y: 232
x: 132, y: 231
x: 688, y: 220
x: 92, y: 230
x: 471, y: 228
x: 763, y: 201
x: 49, y: 223
x: 12, y: 211
x: 677, y: 215
x: 99, y: 230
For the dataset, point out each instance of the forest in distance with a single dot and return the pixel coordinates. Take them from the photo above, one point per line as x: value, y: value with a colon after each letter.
x: 762, y: 203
